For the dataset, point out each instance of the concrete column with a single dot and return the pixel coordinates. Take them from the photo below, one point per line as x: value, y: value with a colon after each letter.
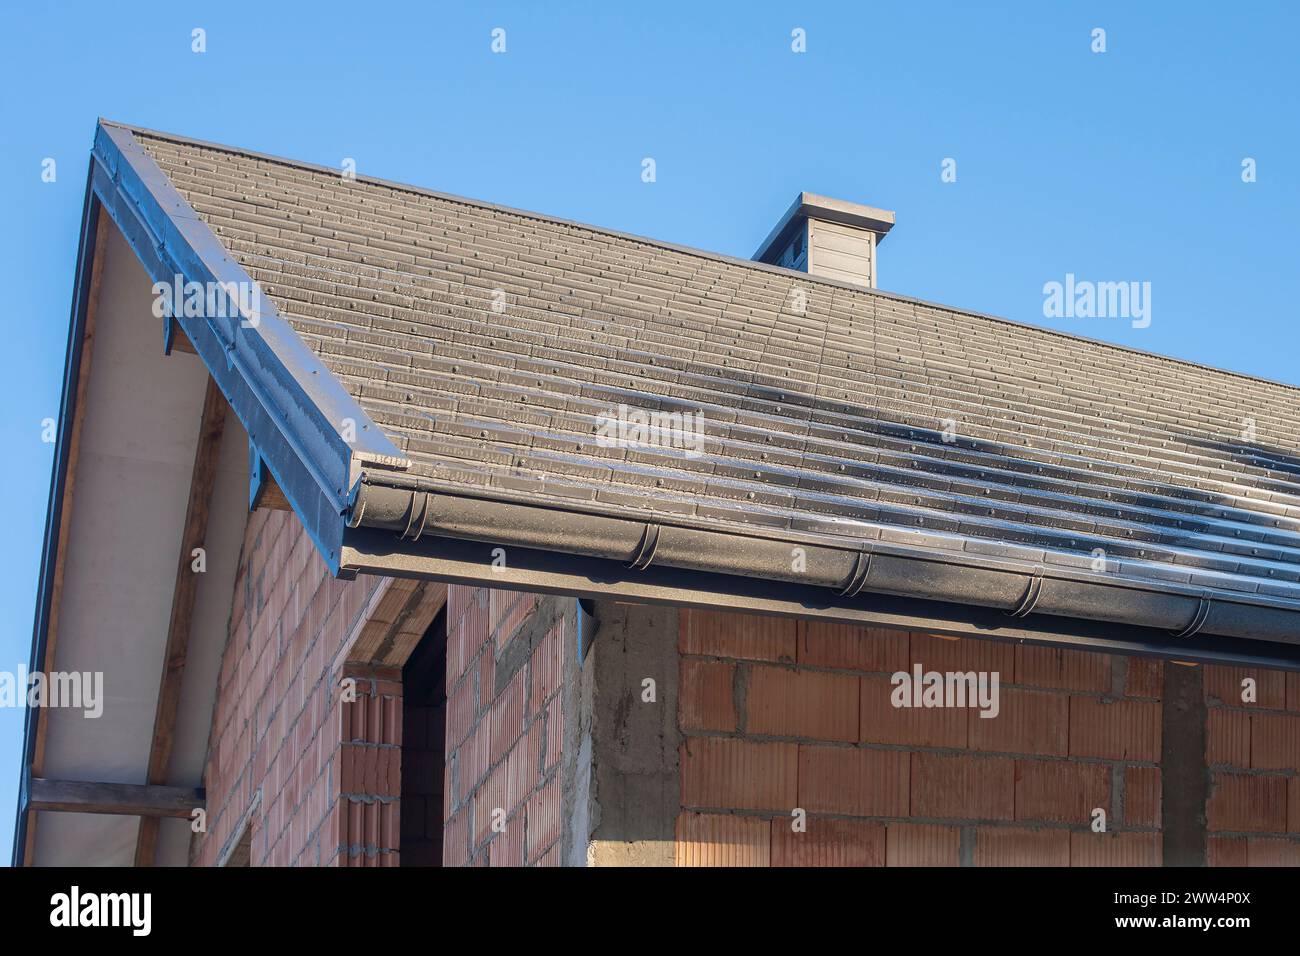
x: 622, y: 791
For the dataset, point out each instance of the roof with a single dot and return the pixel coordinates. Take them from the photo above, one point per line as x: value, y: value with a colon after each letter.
x: 909, y: 448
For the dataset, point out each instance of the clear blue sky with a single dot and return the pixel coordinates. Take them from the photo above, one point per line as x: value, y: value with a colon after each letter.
x: 1117, y: 166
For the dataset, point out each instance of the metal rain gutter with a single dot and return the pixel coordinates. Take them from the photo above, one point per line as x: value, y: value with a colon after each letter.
x: 831, y: 576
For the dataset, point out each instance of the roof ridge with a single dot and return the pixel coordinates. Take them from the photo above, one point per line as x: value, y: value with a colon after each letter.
x: 693, y: 250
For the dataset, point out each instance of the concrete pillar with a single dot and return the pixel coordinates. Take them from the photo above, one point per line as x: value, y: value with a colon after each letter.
x: 622, y: 791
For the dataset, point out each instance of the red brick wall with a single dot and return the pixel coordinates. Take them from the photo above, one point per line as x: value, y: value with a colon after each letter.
x: 503, y: 748
x: 782, y: 714
x: 277, y: 727
x: 1253, y: 750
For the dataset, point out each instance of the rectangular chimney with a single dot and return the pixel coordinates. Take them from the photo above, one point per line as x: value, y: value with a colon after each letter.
x: 828, y: 237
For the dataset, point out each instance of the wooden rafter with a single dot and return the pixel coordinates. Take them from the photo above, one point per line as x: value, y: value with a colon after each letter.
x: 134, y: 799
x: 206, y: 452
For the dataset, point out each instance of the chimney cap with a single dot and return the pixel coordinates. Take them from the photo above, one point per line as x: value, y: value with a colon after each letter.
x: 812, y: 206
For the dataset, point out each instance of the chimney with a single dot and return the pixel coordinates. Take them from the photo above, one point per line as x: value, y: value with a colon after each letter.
x: 828, y: 237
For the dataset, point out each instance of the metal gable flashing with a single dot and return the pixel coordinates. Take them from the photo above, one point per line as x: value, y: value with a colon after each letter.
x: 303, y: 426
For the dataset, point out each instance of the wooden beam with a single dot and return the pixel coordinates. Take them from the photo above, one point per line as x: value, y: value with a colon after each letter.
x: 206, y: 452
x: 130, y: 799
x: 180, y: 341
x: 268, y: 494
x: 394, y: 619
x: 102, y: 225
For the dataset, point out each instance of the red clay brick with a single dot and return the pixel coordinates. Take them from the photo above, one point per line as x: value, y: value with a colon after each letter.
x: 738, y: 774
x: 1062, y: 668
x: 853, y: 781
x: 1011, y: 846
x: 542, y: 816
x: 520, y: 777
x: 1141, y: 796
x: 828, y: 843
x: 813, y: 704
x: 546, y: 673
x: 1241, y: 802
x: 459, y: 597
x: 488, y: 800
x: 1058, y: 791
x: 1224, y: 684
x: 942, y: 653
x: 1115, y: 849
x: 963, y: 786
x: 1118, y: 729
x: 506, y: 611
x: 507, y: 715
x: 829, y: 644
x: 705, y: 696
x: 554, y: 732
x: 507, y: 847
x: 1275, y: 741
x: 740, y: 636
x: 1028, y: 722
x: 487, y: 678
x: 1227, y: 737
x: 921, y: 844
x: 550, y: 858
x: 883, y: 723
x: 1272, y: 852
x: 462, y: 708
x: 706, y: 839
x: 1225, y: 851
x: 474, y: 756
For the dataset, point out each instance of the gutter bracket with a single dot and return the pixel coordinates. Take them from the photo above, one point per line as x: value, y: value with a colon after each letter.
x: 858, y: 579
x: 1032, y: 593
x: 1197, y: 621
x: 418, y: 507
x: 646, y: 550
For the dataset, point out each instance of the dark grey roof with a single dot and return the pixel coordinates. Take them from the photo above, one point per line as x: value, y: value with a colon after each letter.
x: 823, y: 428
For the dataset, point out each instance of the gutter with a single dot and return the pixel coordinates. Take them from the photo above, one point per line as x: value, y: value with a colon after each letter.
x: 1020, y: 595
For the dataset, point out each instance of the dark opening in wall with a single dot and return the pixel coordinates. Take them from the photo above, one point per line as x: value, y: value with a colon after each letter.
x: 424, y: 721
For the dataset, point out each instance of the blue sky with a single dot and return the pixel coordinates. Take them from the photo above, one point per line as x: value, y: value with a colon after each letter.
x: 1116, y: 166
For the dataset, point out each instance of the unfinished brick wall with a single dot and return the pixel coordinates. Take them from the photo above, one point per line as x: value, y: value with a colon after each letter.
x: 1253, y: 751
x: 274, y: 751
x: 505, y: 724
x: 314, y: 775
x: 781, y: 714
